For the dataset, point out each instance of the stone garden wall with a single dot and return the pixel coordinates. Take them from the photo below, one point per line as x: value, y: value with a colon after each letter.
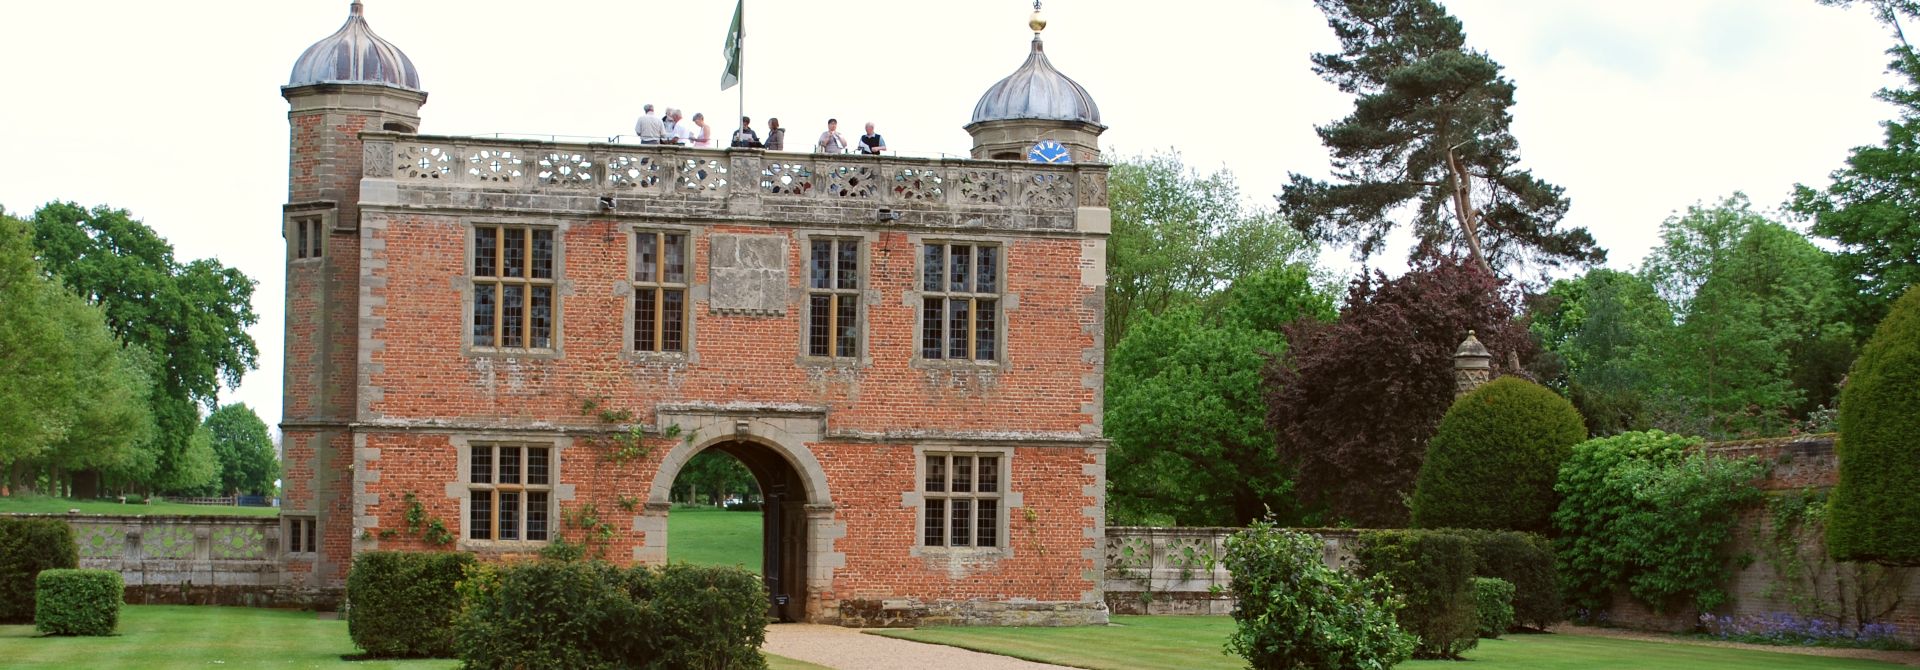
x: 1179, y: 570
x: 195, y: 560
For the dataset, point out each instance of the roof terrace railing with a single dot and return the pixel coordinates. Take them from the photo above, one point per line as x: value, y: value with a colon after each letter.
x: 633, y: 170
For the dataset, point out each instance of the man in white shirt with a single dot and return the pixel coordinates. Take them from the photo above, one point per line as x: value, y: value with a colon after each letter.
x: 683, y: 133
x: 831, y: 142
x: 649, y: 128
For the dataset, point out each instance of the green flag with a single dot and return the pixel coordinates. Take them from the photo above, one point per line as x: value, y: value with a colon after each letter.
x: 732, y: 74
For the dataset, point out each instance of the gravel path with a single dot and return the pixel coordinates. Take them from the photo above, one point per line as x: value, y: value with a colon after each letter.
x: 848, y: 649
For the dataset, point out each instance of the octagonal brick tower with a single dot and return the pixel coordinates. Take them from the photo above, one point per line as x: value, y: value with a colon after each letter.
x: 349, y: 82
x: 1035, y: 103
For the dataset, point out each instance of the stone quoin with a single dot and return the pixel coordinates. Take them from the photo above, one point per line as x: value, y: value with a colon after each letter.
x: 907, y: 353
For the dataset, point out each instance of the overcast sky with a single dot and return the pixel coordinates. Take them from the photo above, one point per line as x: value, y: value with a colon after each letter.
x: 1638, y: 107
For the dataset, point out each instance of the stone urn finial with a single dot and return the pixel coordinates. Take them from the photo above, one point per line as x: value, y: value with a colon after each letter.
x: 1472, y: 365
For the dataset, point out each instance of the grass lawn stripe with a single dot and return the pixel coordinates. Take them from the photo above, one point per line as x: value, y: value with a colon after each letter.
x: 46, y: 505
x: 1195, y: 643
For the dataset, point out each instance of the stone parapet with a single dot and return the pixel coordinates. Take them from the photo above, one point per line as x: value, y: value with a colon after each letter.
x: 196, y: 560
x: 602, y: 179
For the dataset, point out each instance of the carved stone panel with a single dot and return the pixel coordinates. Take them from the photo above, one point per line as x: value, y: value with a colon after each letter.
x: 748, y: 274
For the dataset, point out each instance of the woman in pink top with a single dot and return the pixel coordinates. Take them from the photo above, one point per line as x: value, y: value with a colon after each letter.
x: 705, y: 138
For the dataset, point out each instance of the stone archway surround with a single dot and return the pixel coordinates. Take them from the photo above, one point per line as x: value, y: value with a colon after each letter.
x: 784, y: 429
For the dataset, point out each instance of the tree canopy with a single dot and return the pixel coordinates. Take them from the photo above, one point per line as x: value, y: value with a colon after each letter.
x: 1185, y: 412
x: 190, y: 317
x: 1180, y: 237
x: 1430, y: 132
x: 1353, y: 402
x: 244, y: 449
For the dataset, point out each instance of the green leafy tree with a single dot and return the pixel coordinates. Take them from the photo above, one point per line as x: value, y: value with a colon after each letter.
x: 1180, y: 237
x: 1185, y: 412
x: 1871, y: 208
x: 1761, y: 337
x: 1597, y: 331
x: 196, y: 469
x: 112, y: 420
x: 244, y: 450
x: 1429, y: 134
x: 1493, y: 463
x: 191, y: 317
x: 35, y: 379
x: 1875, y: 511
x: 713, y: 475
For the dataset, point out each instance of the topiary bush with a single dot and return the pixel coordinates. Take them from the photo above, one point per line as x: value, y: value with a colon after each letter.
x: 402, y: 603
x: 1493, y: 605
x: 705, y: 616
x: 1644, y: 513
x: 1874, y: 514
x: 1433, y: 571
x: 589, y: 614
x: 28, y: 546
x: 77, y: 602
x: 1295, y: 612
x: 1495, y: 458
x: 1526, y: 561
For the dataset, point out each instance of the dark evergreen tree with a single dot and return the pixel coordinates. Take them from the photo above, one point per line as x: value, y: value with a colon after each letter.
x: 1875, y: 512
x: 1429, y: 131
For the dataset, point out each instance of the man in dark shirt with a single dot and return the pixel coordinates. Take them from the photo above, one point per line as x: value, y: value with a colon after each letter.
x: 745, y: 138
x: 871, y: 143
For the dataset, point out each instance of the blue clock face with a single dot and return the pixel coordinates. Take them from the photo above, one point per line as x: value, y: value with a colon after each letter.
x: 1049, y: 151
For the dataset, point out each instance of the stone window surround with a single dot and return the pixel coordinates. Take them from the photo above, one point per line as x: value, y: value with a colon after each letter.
x: 562, y: 287
x: 293, y: 216
x: 290, y: 530
x: 458, y: 489
x: 623, y: 289
x: 868, y: 296
x: 1009, y: 302
x: 1010, y: 500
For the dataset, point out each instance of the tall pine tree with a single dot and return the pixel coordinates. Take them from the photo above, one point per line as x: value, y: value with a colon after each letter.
x: 1429, y: 129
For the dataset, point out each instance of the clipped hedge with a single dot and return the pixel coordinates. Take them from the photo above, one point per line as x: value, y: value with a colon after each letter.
x: 1295, y: 612
x: 1875, y: 510
x: 1526, y: 561
x: 1433, y: 571
x: 402, y: 603
x: 590, y: 614
x: 1493, y: 604
x: 77, y: 602
x: 1493, y: 462
x: 28, y: 546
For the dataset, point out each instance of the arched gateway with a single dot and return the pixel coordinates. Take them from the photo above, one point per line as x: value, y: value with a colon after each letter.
x: 797, y: 518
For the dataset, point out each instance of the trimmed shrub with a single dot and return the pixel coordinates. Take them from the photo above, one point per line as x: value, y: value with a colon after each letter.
x: 77, y: 602
x: 27, y: 546
x: 1526, y: 561
x: 1495, y: 458
x: 1875, y: 512
x: 706, y: 616
x: 590, y: 614
x: 402, y: 603
x: 1295, y: 612
x: 1493, y: 604
x: 1433, y: 571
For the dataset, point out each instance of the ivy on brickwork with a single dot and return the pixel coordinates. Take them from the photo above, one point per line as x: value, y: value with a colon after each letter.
x: 597, y: 533
x: 425, y: 526
x: 627, y: 439
x: 1809, y: 580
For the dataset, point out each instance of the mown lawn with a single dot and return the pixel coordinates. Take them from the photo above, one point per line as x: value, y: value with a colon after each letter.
x: 48, y: 505
x: 162, y: 637
x: 713, y: 536
x: 1194, y: 643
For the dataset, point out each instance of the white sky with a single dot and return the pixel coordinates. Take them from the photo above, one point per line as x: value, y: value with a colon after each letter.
x: 1637, y: 107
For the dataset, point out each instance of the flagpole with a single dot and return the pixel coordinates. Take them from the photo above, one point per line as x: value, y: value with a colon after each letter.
x: 743, y: 63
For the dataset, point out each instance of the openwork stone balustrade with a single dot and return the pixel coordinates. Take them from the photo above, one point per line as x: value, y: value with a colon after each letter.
x: 225, y: 560
x: 654, y: 179
x: 1182, y: 570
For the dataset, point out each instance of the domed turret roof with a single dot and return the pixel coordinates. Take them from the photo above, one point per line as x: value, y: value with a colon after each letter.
x: 354, y: 55
x: 1037, y: 91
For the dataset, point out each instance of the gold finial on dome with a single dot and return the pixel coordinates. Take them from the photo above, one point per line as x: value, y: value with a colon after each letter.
x: 1035, y: 22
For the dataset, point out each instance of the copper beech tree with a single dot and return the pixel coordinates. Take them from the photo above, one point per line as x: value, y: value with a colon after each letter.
x: 1353, y: 402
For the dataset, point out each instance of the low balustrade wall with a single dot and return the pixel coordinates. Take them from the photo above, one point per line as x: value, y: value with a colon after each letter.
x: 196, y: 560
x: 443, y: 171
x: 1180, y: 570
